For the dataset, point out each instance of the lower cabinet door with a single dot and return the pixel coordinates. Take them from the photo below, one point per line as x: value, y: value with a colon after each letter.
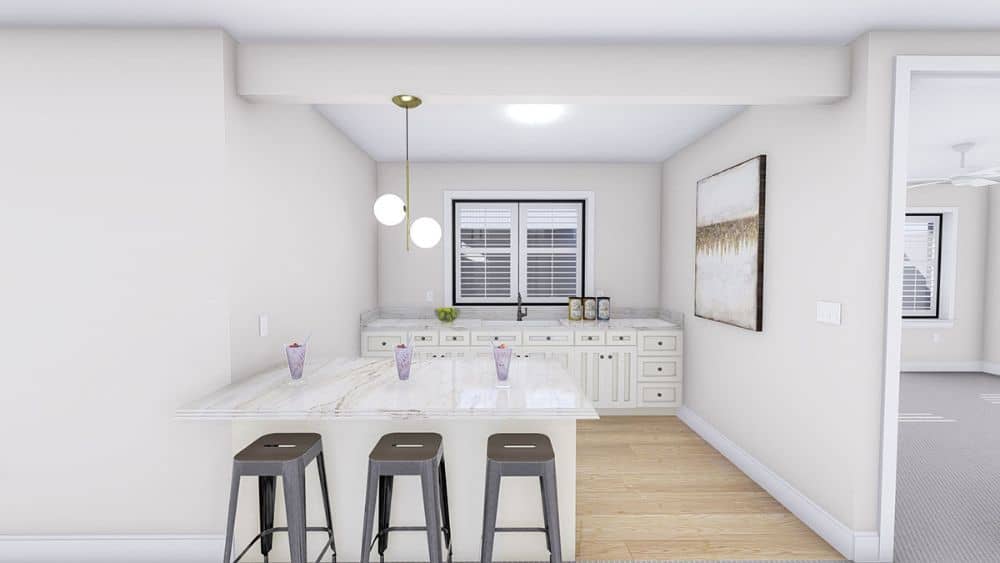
x: 610, y: 378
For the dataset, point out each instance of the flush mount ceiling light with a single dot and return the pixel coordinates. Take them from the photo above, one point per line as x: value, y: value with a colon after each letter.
x: 535, y: 114
x: 390, y: 209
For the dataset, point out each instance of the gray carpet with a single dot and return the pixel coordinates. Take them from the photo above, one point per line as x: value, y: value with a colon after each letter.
x: 948, y: 488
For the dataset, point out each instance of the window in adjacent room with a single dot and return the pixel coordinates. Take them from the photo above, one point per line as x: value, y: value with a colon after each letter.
x: 502, y: 248
x: 922, y: 266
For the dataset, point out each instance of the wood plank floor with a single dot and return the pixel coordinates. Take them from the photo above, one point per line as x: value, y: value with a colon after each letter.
x: 650, y: 488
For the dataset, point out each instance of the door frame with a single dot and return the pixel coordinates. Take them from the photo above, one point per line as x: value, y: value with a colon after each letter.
x: 906, y: 66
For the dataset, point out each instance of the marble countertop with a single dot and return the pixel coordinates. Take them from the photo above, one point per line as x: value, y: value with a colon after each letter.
x: 368, y: 388
x: 479, y: 324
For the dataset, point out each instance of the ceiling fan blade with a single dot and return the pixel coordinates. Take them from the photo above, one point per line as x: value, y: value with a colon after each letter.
x: 920, y: 182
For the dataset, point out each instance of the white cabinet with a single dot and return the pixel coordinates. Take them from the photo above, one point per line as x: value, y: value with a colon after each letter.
x: 607, y: 375
x: 621, y: 370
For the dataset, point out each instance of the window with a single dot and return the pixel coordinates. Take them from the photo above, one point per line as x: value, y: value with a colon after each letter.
x: 502, y: 248
x: 922, y: 265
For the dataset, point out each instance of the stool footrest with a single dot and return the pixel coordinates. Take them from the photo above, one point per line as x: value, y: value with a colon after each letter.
x: 542, y: 530
x: 271, y: 531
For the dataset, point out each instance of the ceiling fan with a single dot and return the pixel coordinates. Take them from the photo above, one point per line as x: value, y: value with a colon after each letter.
x: 965, y: 178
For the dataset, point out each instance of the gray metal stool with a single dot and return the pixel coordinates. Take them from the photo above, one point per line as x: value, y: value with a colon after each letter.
x: 407, y: 454
x: 284, y: 455
x: 509, y: 455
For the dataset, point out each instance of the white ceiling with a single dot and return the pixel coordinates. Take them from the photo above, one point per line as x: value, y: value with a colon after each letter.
x: 484, y: 133
x: 830, y: 21
x: 947, y: 111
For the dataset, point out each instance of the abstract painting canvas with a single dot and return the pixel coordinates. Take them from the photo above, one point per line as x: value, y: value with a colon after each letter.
x: 729, y: 247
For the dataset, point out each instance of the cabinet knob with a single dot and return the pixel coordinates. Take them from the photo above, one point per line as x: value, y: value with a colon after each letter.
x: 610, y: 356
x: 659, y: 369
x: 659, y: 394
x: 548, y: 338
x: 496, y: 338
x: 602, y: 356
x: 659, y: 343
x: 383, y: 344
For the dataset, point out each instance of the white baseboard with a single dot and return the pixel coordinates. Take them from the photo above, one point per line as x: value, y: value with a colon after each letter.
x: 190, y: 548
x: 854, y: 545
x: 971, y: 365
x: 991, y: 368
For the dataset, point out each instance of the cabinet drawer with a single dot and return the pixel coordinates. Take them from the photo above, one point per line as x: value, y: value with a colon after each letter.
x: 660, y: 368
x: 424, y: 337
x: 621, y: 338
x: 589, y: 338
x: 454, y: 338
x: 491, y: 337
x: 382, y: 343
x: 667, y: 344
x: 548, y: 338
x: 657, y: 395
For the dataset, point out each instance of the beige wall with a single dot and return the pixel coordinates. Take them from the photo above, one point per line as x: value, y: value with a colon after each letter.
x: 961, y: 341
x: 115, y: 291
x: 626, y: 230
x: 303, y: 238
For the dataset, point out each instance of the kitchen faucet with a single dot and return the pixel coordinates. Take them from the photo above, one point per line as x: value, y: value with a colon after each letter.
x: 521, y: 313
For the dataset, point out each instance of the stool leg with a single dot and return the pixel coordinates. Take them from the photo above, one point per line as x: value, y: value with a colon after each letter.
x: 445, y: 516
x: 545, y: 514
x: 428, y: 485
x: 490, y: 505
x: 234, y: 492
x: 384, y: 511
x: 265, y: 501
x: 293, y: 481
x: 321, y: 466
x: 370, y: 494
x: 550, y: 504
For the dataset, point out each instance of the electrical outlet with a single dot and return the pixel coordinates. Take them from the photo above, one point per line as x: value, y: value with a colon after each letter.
x: 429, y: 296
x: 263, y: 323
x: 828, y: 313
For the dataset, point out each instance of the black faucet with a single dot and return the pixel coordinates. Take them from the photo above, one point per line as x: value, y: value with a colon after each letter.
x: 521, y: 313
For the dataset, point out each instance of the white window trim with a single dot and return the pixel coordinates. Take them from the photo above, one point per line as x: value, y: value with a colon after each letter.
x: 949, y: 268
x: 525, y: 195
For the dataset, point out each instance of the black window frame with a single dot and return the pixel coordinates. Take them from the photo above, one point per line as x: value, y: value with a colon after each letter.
x: 937, y: 273
x: 583, y: 250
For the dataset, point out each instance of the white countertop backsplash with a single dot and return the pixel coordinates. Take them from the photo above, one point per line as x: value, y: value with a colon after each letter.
x: 476, y: 318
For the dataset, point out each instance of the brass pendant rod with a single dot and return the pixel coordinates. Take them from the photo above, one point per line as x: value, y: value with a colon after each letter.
x: 407, y: 233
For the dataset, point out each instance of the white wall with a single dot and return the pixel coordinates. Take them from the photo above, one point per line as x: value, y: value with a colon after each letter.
x: 147, y: 215
x: 991, y: 326
x: 806, y: 399
x: 960, y: 342
x: 785, y: 394
x: 303, y: 238
x: 115, y: 292
x: 626, y: 230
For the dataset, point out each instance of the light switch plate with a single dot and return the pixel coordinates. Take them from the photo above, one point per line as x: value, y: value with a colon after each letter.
x: 828, y: 312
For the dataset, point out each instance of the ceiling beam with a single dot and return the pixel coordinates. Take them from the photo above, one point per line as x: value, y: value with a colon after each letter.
x: 367, y: 73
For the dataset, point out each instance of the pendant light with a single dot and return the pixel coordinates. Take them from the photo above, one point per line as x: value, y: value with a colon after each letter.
x: 391, y: 210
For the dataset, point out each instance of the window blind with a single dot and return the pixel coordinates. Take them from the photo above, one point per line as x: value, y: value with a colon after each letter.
x: 921, y: 265
x: 503, y: 248
x: 486, y: 239
x: 550, y: 254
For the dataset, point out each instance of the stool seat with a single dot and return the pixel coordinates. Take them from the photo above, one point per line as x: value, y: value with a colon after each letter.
x: 278, y: 447
x: 407, y: 446
x: 504, y: 448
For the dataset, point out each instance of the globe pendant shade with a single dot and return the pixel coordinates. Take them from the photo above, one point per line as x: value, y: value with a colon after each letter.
x: 389, y: 209
x: 425, y: 232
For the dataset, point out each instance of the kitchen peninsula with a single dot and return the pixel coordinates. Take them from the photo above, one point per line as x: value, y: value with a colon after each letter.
x: 354, y: 402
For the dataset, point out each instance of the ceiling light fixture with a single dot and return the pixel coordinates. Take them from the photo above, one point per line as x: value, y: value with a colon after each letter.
x: 390, y: 209
x: 535, y: 114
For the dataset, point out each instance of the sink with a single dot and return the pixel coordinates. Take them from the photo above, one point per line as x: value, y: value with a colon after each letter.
x: 522, y: 324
